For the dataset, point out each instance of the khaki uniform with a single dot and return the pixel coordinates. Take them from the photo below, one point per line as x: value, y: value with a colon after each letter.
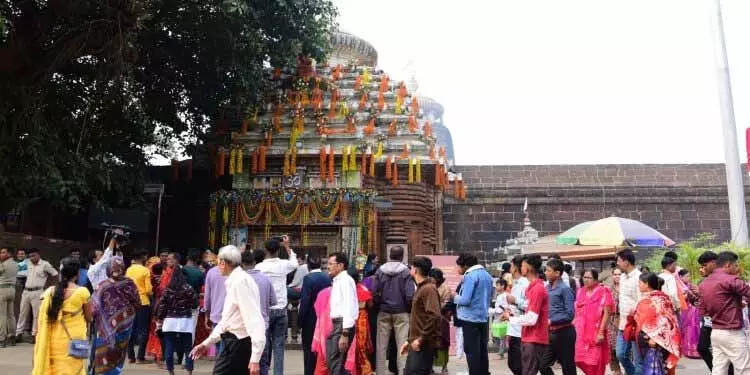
x: 8, y: 270
x: 32, y: 293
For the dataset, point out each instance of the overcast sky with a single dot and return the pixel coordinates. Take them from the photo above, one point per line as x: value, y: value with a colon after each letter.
x: 567, y: 81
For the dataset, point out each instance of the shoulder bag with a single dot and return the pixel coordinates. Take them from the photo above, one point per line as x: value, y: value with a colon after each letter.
x: 79, y: 349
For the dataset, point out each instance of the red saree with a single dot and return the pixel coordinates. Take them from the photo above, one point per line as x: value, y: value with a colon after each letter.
x: 655, y: 317
x: 154, y: 344
x: 364, y: 344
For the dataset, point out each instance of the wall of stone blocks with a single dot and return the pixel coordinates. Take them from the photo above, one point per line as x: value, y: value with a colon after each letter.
x: 678, y: 200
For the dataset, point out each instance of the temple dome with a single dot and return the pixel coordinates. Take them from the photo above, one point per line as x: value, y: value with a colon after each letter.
x: 347, y: 48
x: 430, y: 106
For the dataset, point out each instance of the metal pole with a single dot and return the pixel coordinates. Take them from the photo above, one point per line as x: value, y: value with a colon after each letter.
x: 158, y: 220
x: 735, y: 183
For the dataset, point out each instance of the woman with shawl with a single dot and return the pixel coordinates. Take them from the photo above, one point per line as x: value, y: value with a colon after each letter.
x: 323, y: 329
x: 159, y: 275
x: 657, y: 327
x: 115, y: 303
x: 594, y: 305
x: 690, y: 317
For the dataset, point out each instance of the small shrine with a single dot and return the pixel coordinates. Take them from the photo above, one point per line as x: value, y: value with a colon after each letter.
x: 337, y: 155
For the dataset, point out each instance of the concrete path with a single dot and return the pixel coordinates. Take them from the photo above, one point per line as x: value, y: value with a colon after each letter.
x: 17, y: 361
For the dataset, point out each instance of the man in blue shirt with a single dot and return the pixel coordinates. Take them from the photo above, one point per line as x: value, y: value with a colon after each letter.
x: 562, y: 334
x: 473, y: 310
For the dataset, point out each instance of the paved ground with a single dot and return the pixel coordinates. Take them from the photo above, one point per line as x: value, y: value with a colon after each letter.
x: 17, y: 361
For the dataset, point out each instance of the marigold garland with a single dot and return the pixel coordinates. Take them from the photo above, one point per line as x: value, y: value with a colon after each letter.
x: 238, y: 167
x: 331, y: 165
x: 388, y: 167
x: 254, y: 161
x: 345, y: 159
x: 222, y: 156
x: 322, y: 158
x: 232, y: 159
x: 418, y: 177
x: 394, y: 174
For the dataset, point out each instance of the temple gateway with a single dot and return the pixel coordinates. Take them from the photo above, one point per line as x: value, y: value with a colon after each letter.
x: 337, y: 155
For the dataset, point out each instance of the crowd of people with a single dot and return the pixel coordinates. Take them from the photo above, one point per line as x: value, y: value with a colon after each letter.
x: 637, y: 321
x: 379, y: 318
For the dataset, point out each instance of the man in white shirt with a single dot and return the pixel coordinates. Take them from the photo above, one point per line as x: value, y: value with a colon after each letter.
x: 629, y: 296
x: 276, y: 269
x: 668, y: 274
x: 98, y: 271
x: 518, y: 305
x: 344, y: 312
x: 241, y: 328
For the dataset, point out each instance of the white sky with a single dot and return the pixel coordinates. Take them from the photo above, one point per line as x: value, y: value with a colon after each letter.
x: 566, y: 81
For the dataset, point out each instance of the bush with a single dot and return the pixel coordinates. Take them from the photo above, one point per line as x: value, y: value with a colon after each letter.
x: 689, y: 251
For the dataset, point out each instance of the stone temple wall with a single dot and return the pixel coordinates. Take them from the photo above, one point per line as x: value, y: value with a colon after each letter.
x: 678, y: 200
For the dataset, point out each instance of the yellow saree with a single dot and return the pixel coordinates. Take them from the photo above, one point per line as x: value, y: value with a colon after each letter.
x: 51, y: 349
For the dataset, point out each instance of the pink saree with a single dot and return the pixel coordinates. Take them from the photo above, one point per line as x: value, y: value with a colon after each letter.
x: 690, y: 319
x: 590, y: 357
x: 323, y: 328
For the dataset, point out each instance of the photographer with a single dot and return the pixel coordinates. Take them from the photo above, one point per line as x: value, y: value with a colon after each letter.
x: 98, y: 271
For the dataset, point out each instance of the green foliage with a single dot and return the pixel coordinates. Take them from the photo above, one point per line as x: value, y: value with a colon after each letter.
x: 89, y: 88
x: 689, y: 251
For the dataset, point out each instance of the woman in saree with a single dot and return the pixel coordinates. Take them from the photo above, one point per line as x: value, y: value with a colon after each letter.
x: 115, y: 303
x: 154, y: 347
x: 362, y: 340
x: 63, y: 316
x: 690, y: 317
x: 201, y: 330
x: 614, y: 322
x: 657, y: 328
x: 323, y: 329
x: 593, y: 307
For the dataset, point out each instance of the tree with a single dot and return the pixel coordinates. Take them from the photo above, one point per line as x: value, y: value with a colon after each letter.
x: 89, y: 88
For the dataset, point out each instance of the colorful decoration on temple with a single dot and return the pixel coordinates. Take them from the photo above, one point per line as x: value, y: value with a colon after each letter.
x: 414, y: 106
x: 384, y: 82
x: 427, y: 129
x: 323, y: 156
x: 232, y: 160
x: 283, y: 206
x: 336, y: 74
x: 254, y: 161
x: 370, y: 128
x: 366, y: 78
x: 412, y: 124
x: 220, y: 162
x: 392, y: 129
x: 394, y: 173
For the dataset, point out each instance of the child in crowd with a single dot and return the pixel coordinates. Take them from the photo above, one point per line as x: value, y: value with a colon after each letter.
x: 501, y: 305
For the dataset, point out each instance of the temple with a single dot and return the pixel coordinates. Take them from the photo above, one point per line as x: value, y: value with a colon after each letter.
x: 337, y: 155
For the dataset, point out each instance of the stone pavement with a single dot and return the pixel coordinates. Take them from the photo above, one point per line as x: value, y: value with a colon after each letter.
x: 17, y: 361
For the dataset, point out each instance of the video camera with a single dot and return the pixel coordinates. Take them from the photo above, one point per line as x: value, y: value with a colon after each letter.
x: 120, y: 233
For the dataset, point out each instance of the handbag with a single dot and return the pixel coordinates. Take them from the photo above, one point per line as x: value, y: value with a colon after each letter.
x: 79, y: 349
x: 630, y: 333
